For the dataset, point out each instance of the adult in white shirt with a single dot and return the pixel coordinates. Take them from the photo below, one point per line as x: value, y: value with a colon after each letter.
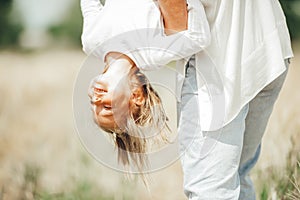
x: 249, y: 54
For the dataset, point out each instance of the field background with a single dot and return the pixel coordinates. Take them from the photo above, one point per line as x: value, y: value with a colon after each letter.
x: 40, y: 152
x: 41, y: 156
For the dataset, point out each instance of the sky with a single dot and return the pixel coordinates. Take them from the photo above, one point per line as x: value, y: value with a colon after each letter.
x: 39, y: 14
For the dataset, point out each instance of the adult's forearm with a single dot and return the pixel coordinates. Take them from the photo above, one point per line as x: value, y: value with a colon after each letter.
x: 175, y: 16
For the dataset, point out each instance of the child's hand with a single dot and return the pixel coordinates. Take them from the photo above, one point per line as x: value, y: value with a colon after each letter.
x: 91, y: 87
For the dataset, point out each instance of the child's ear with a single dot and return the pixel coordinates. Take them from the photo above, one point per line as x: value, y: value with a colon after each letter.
x: 137, y: 97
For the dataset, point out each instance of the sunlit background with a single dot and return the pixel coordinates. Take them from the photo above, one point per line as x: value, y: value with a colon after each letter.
x: 41, y: 156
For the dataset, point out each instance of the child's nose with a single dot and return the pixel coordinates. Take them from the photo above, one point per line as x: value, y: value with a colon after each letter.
x: 106, y: 98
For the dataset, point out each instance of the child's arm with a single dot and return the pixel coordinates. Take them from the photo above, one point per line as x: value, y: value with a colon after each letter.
x: 90, y: 10
x: 198, y: 26
x: 181, y: 43
x: 148, y: 48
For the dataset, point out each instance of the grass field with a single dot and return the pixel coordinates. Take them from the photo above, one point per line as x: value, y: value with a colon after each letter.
x: 41, y: 156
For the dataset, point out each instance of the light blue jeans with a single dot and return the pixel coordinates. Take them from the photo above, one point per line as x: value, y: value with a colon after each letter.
x: 223, y: 172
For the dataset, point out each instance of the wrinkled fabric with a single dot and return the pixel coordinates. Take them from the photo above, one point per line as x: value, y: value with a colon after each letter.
x: 216, y: 164
x: 239, y: 45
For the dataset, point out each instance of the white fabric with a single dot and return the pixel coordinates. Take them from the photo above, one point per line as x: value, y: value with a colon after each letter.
x: 128, y: 26
x: 248, y: 42
x: 216, y: 164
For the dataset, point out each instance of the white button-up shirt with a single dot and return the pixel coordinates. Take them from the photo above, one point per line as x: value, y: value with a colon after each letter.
x: 239, y: 46
x: 249, y: 42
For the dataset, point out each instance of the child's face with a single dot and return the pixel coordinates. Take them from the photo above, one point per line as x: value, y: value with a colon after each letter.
x: 110, y: 97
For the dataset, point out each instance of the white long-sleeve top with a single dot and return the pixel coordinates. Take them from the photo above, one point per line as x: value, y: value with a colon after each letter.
x: 135, y: 28
x: 240, y: 46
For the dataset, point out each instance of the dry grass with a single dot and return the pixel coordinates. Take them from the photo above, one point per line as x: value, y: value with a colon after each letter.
x: 40, y: 153
x: 39, y: 147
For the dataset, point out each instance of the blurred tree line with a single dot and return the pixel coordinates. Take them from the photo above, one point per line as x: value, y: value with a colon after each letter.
x: 10, y: 29
x: 292, y: 12
x: 71, y: 26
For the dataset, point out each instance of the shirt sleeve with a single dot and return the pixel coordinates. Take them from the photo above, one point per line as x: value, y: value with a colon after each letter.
x: 198, y: 26
x: 177, y: 46
x: 151, y: 49
x: 90, y: 8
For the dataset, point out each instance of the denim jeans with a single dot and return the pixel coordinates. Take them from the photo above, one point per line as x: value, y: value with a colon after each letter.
x: 222, y: 172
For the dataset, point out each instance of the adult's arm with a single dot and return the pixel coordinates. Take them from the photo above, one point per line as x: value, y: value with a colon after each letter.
x: 188, y: 36
x: 175, y: 15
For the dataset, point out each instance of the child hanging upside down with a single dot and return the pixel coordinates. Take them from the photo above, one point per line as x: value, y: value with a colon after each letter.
x: 130, y: 36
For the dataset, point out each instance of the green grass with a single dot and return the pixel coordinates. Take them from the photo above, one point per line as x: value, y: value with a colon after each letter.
x: 283, y: 184
x: 80, y: 189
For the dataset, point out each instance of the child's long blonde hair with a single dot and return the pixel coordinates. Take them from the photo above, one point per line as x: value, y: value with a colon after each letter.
x: 145, y: 125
